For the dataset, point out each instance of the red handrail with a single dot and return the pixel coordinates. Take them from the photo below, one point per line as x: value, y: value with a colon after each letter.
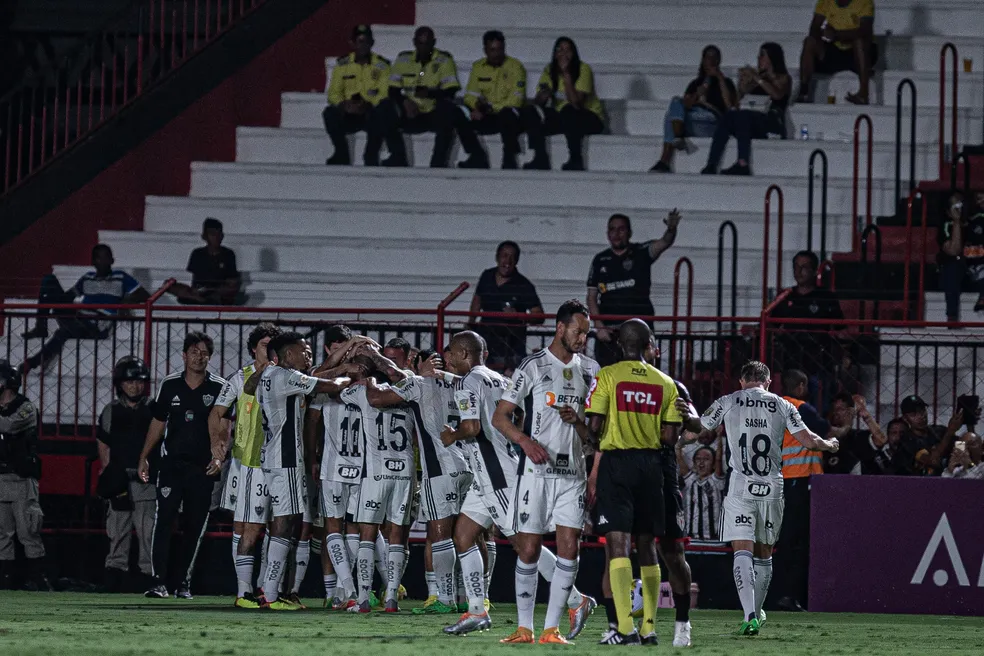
x: 676, y: 308
x: 827, y: 266
x: 763, y: 347
x: 915, y: 193
x: 953, y: 119
x: 148, y: 318
x: 856, y: 227
x: 765, y: 242
x: 44, y: 119
x: 441, y: 307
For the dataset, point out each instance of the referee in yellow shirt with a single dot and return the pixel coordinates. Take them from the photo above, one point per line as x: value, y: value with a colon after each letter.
x: 631, y: 405
x: 495, y: 94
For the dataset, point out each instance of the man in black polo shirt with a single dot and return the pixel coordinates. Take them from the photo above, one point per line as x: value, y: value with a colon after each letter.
x: 619, y: 280
x: 181, y: 411
x: 504, y: 289
x: 215, y: 280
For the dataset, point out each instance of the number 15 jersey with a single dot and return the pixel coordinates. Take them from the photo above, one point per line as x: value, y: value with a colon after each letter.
x: 755, y: 422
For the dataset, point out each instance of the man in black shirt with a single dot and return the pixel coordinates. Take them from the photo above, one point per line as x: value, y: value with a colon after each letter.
x: 184, y: 401
x: 215, y: 280
x: 858, y: 448
x: 123, y: 426
x: 504, y: 289
x: 961, y: 253
x: 619, y: 280
x: 809, y: 348
x: 924, y: 448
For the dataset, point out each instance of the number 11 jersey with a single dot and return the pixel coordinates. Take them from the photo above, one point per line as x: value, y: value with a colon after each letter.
x: 754, y: 421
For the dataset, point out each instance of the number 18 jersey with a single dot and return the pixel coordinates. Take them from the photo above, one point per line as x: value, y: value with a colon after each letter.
x: 754, y: 421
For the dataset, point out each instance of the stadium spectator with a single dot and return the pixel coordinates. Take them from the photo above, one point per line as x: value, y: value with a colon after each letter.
x: 840, y: 39
x: 215, y: 280
x: 882, y: 456
x: 811, y: 347
x: 696, y: 114
x: 961, y: 254
x: 399, y: 351
x: 924, y: 448
x: 708, y: 440
x: 965, y: 462
x: 102, y: 286
x: 764, y: 93
x: 703, y: 490
x: 123, y: 425
x: 857, y: 447
x: 504, y: 289
x: 566, y: 103
x: 495, y: 95
x: 619, y: 280
x: 422, y: 86
x: 359, y: 82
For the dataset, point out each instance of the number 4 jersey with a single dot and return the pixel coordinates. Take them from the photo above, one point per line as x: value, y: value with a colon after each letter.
x: 755, y: 421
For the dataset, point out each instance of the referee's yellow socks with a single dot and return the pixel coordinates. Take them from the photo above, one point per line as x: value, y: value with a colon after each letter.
x: 620, y: 574
x: 650, y: 597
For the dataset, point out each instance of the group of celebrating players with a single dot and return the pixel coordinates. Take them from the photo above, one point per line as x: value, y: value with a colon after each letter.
x: 560, y: 442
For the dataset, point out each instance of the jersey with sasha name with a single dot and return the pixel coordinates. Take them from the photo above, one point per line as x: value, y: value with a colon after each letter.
x: 431, y: 401
x: 755, y: 421
x: 388, y: 434
x: 491, y: 459
x: 343, y: 457
x: 541, y: 384
x: 281, y: 394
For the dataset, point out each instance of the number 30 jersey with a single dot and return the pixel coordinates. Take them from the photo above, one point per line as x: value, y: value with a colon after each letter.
x: 754, y: 421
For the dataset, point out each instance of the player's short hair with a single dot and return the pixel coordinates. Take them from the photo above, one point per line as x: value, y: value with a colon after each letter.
x: 634, y: 335
x: 628, y: 221
x: 262, y: 331
x: 101, y: 247
x: 792, y: 379
x: 280, y: 343
x: 493, y: 35
x: 569, y: 309
x: 400, y: 343
x: 814, y: 258
x: 472, y: 342
x: 508, y: 244
x: 367, y: 363
x: 423, y: 356
x: 893, y: 422
x: 337, y: 333
x: 211, y: 223
x: 755, y: 372
x: 197, y: 337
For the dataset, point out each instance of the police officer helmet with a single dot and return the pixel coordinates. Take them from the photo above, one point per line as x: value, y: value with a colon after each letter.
x: 9, y: 378
x: 130, y: 368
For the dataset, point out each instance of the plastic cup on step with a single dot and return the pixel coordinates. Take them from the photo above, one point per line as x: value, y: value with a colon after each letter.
x: 831, y: 99
x: 968, y: 64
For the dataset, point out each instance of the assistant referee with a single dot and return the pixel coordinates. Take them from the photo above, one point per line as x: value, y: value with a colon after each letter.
x: 631, y: 407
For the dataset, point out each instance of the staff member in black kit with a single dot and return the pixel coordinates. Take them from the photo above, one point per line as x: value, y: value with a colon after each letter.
x: 181, y: 411
x: 619, y: 281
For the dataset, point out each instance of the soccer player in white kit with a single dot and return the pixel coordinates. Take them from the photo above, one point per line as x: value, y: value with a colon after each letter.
x: 281, y: 394
x: 446, y: 477
x: 551, y: 386
x: 755, y: 421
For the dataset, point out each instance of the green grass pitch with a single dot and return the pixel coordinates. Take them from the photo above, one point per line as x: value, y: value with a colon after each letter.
x: 64, y: 624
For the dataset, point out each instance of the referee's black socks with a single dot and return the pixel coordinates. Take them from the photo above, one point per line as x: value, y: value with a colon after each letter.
x: 682, y: 604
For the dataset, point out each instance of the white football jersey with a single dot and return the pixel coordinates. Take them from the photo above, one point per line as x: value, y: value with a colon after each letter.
x: 491, y: 457
x: 343, y: 458
x: 281, y: 394
x: 388, y: 434
x: 431, y: 401
x: 539, y: 385
x: 755, y: 422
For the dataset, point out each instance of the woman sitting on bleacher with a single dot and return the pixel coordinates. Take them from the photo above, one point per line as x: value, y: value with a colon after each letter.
x: 696, y: 114
x: 764, y: 94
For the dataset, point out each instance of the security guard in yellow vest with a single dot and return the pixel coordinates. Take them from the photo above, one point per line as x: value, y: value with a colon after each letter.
x: 495, y: 94
x: 423, y: 83
x: 359, y: 81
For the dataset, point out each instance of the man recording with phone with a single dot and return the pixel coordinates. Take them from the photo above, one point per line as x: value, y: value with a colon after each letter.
x: 924, y: 449
x: 20, y: 471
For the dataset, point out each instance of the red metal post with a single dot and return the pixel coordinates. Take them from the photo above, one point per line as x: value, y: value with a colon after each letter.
x: 441, y: 307
x: 6, y: 137
x: 856, y: 228
x: 44, y: 127
x: 102, y: 89
x: 68, y: 110
x: 54, y: 117
x: 140, y: 47
x: 20, y: 135
x: 765, y: 242
x: 126, y: 72
x: 908, y: 249
x: 112, y: 102
x: 763, y: 324
x: 676, y: 311
x: 174, y: 36
x: 953, y: 146
x: 148, y: 317
x: 921, y: 299
x: 30, y: 137
x: 92, y: 84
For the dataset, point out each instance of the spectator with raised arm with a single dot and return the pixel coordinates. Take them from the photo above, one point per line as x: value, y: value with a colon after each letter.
x: 764, y: 91
x: 961, y: 253
x: 696, y: 114
x: 965, y: 462
x: 924, y: 447
x: 703, y: 490
x: 841, y: 38
x: 619, y: 280
x: 857, y: 450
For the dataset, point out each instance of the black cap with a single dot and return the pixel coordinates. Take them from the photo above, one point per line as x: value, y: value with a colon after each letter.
x: 912, y: 404
x: 359, y: 30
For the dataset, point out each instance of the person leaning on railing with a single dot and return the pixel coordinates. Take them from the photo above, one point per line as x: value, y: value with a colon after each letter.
x: 103, y: 286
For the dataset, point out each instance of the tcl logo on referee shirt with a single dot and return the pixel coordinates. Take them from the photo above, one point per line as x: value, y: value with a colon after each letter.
x: 639, y: 397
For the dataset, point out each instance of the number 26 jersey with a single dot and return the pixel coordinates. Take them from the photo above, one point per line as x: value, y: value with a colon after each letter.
x: 754, y: 421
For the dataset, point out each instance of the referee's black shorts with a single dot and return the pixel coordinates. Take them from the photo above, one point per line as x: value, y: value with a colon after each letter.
x: 630, y: 493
